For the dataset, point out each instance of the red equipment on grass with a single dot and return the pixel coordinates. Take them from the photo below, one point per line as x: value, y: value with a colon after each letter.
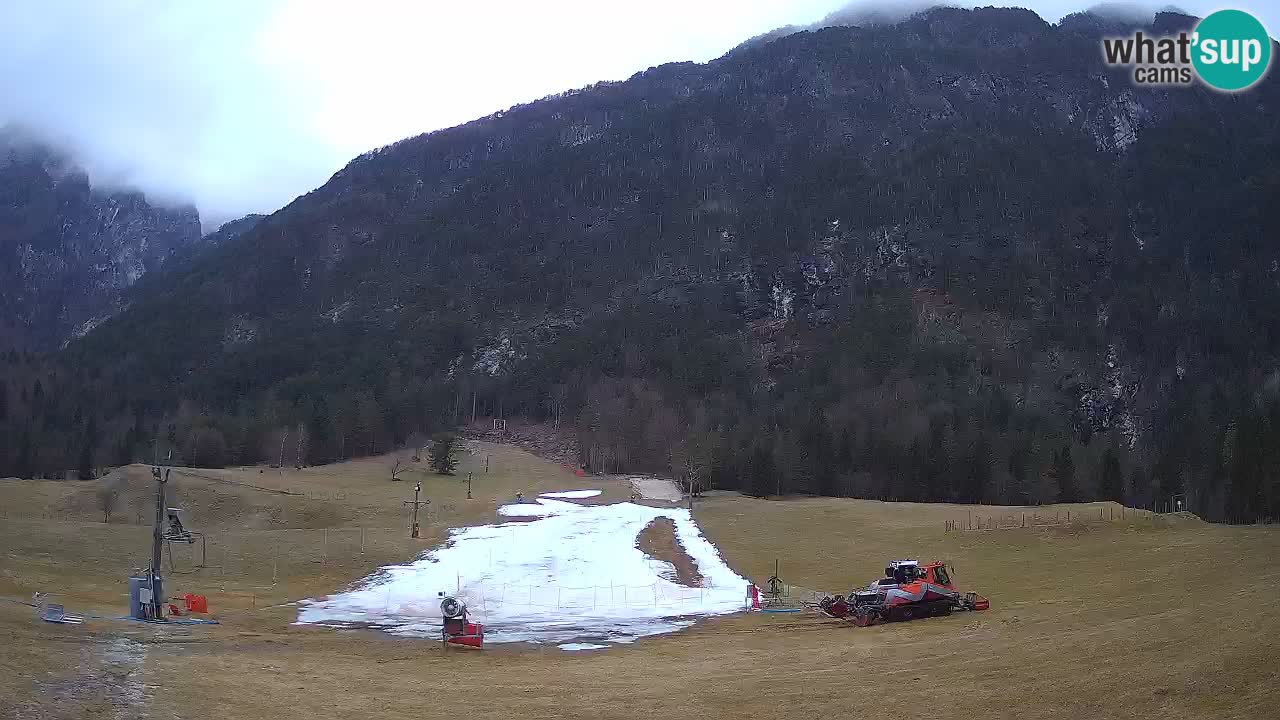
x: 908, y: 591
x: 456, y: 629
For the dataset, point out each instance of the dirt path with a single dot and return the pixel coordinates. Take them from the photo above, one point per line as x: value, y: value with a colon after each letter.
x: 658, y: 540
x: 656, y: 489
x: 104, y: 679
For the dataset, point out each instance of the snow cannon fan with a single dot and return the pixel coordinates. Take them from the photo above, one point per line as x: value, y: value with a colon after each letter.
x: 456, y: 630
x: 453, y: 609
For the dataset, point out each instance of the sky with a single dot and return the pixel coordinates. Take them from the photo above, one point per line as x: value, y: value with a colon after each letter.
x: 239, y: 106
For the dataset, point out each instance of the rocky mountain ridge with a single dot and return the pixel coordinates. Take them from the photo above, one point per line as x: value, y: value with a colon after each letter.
x: 68, y: 250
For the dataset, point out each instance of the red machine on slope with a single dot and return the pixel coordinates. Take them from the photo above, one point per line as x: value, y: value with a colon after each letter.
x: 457, y: 630
x: 908, y: 591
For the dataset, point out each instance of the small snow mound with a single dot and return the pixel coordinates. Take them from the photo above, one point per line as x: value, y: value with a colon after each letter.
x: 525, y: 510
x: 572, y: 647
x: 571, y: 494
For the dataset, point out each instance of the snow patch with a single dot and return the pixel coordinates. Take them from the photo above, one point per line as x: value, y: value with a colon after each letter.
x: 336, y: 313
x: 493, y: 359
x: 571, y: 494
x: 1123, y: 133
x: 783, y: 297
x: 571, y: 647
x: 526, y: 510
x: 574, y: 575
x: 88, y: 326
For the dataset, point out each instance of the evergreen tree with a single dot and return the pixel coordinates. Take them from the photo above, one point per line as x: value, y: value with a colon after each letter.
x: 935, y: 463
x: 1111, y: 480
x: 822, y: 456
x: 761, y: 473
x: 444, y: 447
x: 978, y: 473
x: 124, y: 449
x: 320, y: 440
x: 1064, y: 474
x: 1247, y: 470
x: 844, y: 452
x: 1017, y: 493
x: 25, y: 464
x: 88, y: 448
x: 1137, y: 483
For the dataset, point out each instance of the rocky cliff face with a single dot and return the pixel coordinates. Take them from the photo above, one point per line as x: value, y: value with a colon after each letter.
x: 68, y: 249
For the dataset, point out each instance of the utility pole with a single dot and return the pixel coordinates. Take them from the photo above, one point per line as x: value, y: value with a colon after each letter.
x: 417, y: 488
x: 157, y: 542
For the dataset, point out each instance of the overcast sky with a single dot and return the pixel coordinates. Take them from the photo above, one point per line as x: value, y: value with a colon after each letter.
x: 241, y: 105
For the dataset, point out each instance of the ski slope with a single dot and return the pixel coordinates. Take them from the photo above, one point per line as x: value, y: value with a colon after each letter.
x: 574, y: 574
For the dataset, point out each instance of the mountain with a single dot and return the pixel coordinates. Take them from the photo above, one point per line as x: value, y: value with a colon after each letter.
x: 951, y: 258
x: 68, y: 250
x: 233, y: 229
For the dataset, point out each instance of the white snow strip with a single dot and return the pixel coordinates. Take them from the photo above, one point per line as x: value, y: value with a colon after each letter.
x: 571, y: 647
x: 571, y: 494
x: 573, y: 575
x: 525, y: 510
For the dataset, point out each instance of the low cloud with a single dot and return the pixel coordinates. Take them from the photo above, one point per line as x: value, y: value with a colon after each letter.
x: 241, y: 105
x: 170, y: 98
x: 864, y: 14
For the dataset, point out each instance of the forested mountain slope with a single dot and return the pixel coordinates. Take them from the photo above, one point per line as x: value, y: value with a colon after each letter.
x: 949, y: 259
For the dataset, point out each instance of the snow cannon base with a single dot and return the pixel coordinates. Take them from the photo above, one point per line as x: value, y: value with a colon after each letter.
x: 461, y: 632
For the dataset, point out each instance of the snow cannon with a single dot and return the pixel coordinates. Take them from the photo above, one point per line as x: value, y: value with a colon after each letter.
x: 908, y: 591
x: 456, y: 629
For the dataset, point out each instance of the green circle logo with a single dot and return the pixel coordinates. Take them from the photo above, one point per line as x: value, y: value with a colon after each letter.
x: 1231, y: 50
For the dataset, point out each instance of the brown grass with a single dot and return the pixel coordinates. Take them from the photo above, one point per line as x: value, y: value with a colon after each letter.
x: 1110, y: 620
x: 658, y: 540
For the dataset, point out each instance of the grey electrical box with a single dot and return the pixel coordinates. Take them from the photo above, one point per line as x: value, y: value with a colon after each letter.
x: 139, y: 597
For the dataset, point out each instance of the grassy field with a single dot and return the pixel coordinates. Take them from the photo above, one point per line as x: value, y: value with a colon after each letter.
x: 1141, y: 617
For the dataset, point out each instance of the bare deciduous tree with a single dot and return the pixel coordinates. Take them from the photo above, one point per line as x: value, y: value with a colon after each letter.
x: 416, y: 443
x: 556, y: 399
x: 689, y: 463
x: 108, y: 495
